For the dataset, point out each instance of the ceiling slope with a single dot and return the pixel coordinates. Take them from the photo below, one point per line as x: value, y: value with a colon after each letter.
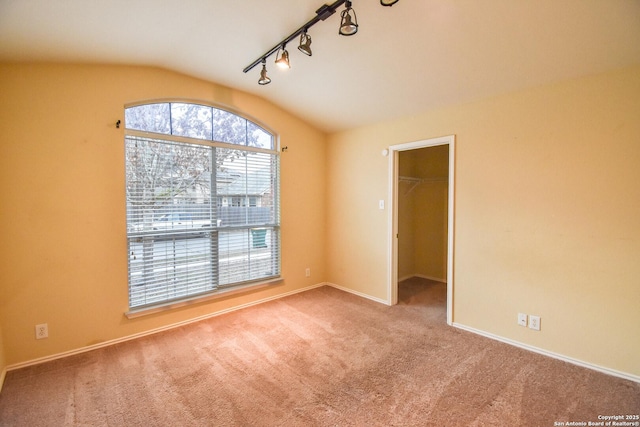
x: 405, y: 59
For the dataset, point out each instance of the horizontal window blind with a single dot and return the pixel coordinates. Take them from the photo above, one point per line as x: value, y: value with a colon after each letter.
x: 200, y: 217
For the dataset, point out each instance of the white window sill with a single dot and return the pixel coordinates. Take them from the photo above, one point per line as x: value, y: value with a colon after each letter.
x: 222, y: 293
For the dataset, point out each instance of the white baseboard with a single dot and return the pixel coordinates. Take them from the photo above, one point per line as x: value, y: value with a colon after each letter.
x: 422, y: 276
x: 149, y: 332
x: 435, y: 279
x: 608, y: 371
x: 360, y: 294
x: 3, y: 374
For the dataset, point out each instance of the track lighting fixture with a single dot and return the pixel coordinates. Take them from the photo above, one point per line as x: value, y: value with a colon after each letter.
x: 264, y: 79
x: 348, y: 25
x: 305, y: 44
x: 282, y: 61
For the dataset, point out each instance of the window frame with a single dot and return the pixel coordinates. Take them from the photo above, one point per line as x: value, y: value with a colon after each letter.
x: 223, y: 290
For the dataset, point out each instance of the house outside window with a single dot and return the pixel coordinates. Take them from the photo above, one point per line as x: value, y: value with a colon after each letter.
x: 202, y: 190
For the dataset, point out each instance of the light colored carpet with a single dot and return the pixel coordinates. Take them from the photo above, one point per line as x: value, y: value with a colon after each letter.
x: 319, y: 358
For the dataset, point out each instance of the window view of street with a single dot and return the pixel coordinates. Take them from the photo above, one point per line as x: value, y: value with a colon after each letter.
x: 200, y: 216
x: 185, y: 266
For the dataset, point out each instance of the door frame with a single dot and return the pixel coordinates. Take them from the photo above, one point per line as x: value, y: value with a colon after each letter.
x: 394, y: 156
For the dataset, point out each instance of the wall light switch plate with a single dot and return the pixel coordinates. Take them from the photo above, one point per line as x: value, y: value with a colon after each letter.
x: 381, y: 204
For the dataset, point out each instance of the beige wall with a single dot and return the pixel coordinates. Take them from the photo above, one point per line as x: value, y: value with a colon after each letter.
x: 63, y: 250
x: 547, y: 212
x: 431, y: 231
x: 547, y: 208
x: 406, y: 214
x: 3, y: 363
x: 422, y: 213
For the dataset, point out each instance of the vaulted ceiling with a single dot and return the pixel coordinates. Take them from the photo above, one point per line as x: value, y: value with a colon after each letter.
x: 406, y: 59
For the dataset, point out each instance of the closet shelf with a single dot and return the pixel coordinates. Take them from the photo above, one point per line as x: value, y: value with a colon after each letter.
x: 418, y: 181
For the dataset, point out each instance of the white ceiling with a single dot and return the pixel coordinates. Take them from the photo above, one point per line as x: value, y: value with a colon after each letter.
x: 406, y: 59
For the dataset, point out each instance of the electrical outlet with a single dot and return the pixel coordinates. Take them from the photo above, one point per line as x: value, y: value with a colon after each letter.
x: 307, y: 272
x: 42, y: 331
x: 522, y: 319
x: 534, y: 322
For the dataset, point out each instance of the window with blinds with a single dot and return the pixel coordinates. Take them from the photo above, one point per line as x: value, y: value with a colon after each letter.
x: 202, y: 197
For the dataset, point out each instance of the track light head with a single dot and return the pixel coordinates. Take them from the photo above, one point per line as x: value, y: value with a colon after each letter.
x: 264, y: 79
x: 348, y: 25
x: 388, y: 2
x: 283, y: 60
x: 305, y: 44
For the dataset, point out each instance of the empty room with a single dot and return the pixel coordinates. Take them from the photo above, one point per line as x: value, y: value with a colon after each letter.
x: 352, y: 213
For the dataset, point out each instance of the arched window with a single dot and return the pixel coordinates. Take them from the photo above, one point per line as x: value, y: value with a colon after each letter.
x: 202, y: 188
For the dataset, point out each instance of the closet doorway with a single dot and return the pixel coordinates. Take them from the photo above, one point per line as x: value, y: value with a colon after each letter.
x: 421, y: 186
